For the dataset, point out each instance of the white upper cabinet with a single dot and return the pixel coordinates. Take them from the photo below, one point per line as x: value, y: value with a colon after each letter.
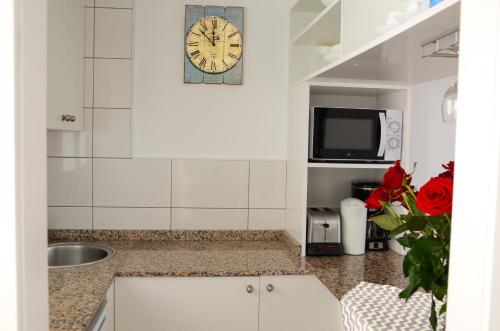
x: 65, y: 53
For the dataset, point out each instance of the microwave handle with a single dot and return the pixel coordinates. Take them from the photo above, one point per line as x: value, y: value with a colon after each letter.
x: 383, y: 134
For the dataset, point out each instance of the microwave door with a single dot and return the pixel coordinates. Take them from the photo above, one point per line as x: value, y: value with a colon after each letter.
x: 383, y: 134
x: 346, y: 135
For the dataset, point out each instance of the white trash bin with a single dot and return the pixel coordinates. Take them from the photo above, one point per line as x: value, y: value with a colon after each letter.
x: 353, y: 215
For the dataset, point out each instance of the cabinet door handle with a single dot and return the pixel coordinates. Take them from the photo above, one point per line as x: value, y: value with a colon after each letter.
x: 270, y: 287
x: 249, y: 289
x: 68, y: 118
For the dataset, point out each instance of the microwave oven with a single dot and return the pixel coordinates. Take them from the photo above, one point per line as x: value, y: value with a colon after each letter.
x: 355, y: 135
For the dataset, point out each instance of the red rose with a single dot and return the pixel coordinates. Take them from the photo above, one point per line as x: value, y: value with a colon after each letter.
x: 395, y: 177
x: 375, y: 198
x: 436, y: 197
x: 450, y: 170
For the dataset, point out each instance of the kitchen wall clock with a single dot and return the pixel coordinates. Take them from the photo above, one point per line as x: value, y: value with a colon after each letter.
x: 213, y: 50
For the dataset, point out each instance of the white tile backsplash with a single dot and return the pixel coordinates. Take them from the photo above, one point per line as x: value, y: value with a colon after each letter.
x: 266, y: 219
x: 112, y: 133
x: 113, y: 33
x: 132, y: 218
x: 89, y: 32
x: 209, y: 219
x: 267, y: 184
x: 69, y: 182
x: 132, y: 182
x: 112, y: 83
x: 88, y: 84
x: 114, y: 3
x: 62, y: 143
x: 69, y: 218
x: 210, y: 184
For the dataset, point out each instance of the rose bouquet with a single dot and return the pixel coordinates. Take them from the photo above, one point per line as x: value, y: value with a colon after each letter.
x: 424, y: 230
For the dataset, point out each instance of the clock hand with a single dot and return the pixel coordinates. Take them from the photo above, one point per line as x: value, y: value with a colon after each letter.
x: 211, y: 41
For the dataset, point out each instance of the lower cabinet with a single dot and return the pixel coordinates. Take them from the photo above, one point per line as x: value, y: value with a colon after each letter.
x: 109, y: 321
x: 187, y: 304
x: 104, y: 319
x: 296, y: 303
x: 274, y: 303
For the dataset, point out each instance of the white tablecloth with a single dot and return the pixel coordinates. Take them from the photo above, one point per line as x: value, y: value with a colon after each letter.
x: 373, y: 307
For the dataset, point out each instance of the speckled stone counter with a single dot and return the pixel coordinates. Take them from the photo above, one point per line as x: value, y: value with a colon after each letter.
x: 342, y: 273
x: 76, y: 292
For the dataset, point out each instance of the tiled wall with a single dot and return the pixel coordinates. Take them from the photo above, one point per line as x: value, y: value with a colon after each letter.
x: 94, y: 183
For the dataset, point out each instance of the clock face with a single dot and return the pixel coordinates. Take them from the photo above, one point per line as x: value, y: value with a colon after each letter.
x: 214, y: 45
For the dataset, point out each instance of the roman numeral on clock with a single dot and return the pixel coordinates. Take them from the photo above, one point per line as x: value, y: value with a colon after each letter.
x: 214, y: 23
x: 195, y: 54
x: 232, y: 55
x: 225, y: 64
x: 234, y: 45
x: 232, y: 35
x: 213, y: 67
x: 204, y: 25
x: 203, y: 62
x: 224, y: 28
x: 195, y: 43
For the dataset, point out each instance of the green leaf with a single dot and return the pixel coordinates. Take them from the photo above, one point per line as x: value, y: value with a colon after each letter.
x: 443, y: 309
x: 429, y: 245
x: 426, y: 277
x: 437, y: 265
x: 414, y: 284
x: 407, y: 264
x: 386, y: 222
x: 439, y: 292
x: 407, y: 241
x: 400, y: 229
x: 416, y: 223
x: 436, y: 222
x: 433, y: 318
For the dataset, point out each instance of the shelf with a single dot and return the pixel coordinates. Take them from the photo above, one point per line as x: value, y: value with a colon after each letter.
x: 323, y: 30
x: 396, y: 54
x: 349, y: 165
x: 354, y: 88
x: 308, y: 6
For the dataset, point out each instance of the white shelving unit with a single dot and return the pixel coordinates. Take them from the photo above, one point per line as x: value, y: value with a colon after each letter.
x: 326, y: 184
x: 324, y: 29
x: 349, y: 165
x: 377, y: 67
x: 367, y: 51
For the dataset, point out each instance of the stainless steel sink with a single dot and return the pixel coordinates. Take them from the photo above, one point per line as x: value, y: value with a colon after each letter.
x: 77, y: 254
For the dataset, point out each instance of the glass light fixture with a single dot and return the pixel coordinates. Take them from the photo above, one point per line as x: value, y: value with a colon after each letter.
x: 449, y: 105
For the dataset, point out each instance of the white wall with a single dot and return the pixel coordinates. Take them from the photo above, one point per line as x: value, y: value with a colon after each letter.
x: 8, y: 228
x: 95, y: 182
x: 173, y: 119
x: 432, y: 141
x: 31, y: 184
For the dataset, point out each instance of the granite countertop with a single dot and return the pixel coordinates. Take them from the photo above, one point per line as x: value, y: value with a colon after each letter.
x: 76, y: 292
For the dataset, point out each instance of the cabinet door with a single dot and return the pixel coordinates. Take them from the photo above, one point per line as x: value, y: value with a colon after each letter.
x: 297, y: 303
x: 187, y: 303
x: 65, y: 33
x: 109, y: 322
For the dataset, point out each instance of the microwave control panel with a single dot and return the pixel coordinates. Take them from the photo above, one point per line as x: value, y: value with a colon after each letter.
x: 394, y: 135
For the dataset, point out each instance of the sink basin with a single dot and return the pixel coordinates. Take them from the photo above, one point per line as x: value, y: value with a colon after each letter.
x: 77, y: 254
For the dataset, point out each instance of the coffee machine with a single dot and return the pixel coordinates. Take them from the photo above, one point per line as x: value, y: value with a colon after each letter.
x: 376, y: 237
